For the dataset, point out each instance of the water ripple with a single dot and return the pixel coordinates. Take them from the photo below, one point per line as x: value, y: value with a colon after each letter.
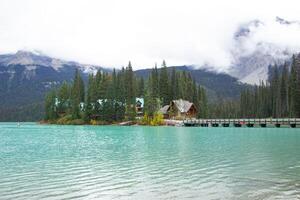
x: 86, y: 162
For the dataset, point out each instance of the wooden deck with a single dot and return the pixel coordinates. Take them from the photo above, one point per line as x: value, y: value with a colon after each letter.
x: 276, y: 122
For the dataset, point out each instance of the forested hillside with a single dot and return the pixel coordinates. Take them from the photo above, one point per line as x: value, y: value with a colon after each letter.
x: 25, y: 77
x: 112, y: 97
x: 219, y: 86
x: 278, y: 98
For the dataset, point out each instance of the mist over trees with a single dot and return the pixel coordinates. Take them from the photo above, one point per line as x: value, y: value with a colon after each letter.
x: 278, y: 98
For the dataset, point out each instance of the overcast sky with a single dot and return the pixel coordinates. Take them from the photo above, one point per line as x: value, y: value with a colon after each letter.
x: 111, y: 32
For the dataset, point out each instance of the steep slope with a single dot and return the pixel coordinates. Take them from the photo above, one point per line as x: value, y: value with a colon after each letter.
x: 252, y: 56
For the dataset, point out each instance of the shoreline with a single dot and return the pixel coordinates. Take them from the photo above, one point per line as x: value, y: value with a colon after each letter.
x: 253, y: 123
x: 167, y: 122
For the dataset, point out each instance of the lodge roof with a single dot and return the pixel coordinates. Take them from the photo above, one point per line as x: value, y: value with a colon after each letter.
x: 182, y: 105
x: 165, y: 109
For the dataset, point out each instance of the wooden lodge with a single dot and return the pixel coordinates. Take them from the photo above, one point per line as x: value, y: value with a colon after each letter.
x: 179, y: 109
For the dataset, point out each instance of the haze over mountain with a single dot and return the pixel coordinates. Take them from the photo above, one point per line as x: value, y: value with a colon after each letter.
x: 256, y: 48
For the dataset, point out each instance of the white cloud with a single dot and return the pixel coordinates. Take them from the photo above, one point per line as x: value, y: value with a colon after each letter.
x: 110, y: 33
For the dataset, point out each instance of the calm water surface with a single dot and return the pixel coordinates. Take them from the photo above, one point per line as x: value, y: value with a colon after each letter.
x: 89, y: 162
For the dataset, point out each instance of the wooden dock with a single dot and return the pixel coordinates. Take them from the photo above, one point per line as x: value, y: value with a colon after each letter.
x: 276, y: 122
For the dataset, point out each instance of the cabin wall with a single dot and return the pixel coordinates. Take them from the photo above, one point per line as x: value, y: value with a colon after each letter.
x: 191, y: 113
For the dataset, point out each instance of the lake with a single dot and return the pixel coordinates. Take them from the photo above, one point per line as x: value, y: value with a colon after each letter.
x: 112, y: 162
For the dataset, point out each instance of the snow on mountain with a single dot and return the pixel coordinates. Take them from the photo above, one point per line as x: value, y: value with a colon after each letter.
x: 24, y: 58
x: 252, y: 56
x: 89, y: 69
x: 34, y: 60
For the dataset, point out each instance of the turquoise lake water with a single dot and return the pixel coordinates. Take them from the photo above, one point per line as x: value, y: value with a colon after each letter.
x: 111, y: 162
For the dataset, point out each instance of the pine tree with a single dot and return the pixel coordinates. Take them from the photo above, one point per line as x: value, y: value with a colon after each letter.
x: 297, y: 87
x: 88, y: 102
x: 130, y: 92
x: 151, y: 104
x: 77, y: 95
x: 203, y: 107
x: 97, y: 85
x: 164, y: 84
x: 63, y: 98
x: 141, y: 87
x: 275, y: 92
x: 173, y: 85
x: 50, y: 106
x: 155, y: 82
x: 292, y: 92
x: 283, y: 92
x: 120, y: 96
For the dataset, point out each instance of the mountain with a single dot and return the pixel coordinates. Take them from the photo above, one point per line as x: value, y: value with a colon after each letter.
x: 25, y: 77
x: 252, y: 56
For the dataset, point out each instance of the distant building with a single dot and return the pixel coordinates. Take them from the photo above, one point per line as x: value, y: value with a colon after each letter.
x: 139, y: 106
x: 82, y: 106
x: 180, y: 109
x: 101, y: 101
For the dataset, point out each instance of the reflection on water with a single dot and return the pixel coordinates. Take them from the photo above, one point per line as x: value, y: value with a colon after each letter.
x: 110, y: 162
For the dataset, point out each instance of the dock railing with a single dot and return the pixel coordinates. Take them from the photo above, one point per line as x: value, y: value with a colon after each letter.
x: 250, y: 122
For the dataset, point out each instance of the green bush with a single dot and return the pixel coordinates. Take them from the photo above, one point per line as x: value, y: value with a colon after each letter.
x: 145, y: 120
x: 156, y: 120
x: 67, y: 120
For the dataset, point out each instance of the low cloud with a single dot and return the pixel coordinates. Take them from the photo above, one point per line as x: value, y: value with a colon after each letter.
x: 110, y: 33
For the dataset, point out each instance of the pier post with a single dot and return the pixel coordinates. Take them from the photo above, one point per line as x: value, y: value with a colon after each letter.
x: 237, y: 124
x: 225, y: 124
x: 266, y: 122
x: 215, y: 125
x: 263, y: 125
x: 277, y: 125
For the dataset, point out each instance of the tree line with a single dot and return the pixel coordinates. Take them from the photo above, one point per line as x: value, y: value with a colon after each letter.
x: 279, y: 97
x: 111, y: 97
